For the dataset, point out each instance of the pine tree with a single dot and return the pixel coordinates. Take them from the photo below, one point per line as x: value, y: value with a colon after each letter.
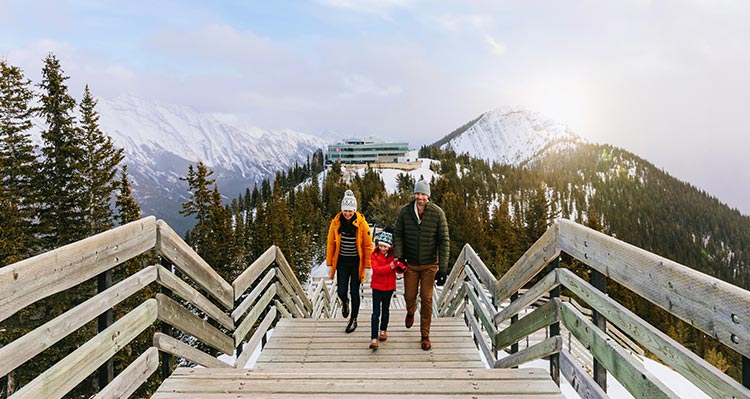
x: 128, y: 209
x: 198, y: 180
x: 18, y: 167
x: 99, y: 168
x: 62, y: 209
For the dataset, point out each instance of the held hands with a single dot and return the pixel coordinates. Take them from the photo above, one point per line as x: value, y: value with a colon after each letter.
x: 440, y: 278
x: 399, y: 266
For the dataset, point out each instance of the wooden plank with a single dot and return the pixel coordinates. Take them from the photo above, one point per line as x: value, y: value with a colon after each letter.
x: 30, y: 280
x: 173, y: 346
x: 449, y: 293
x: 481, y: 270
x: 130, y: 379
x: 545, y: 285
x: 171, y: 246
x: 248, y: 277
x: 190, y: 294
x: 486, y: 320
x: 286, y: 298
x: 547, y: 347
x: 618, y: 362
x: 249, y: 321
x: 540, y: 318
x: 701, y: 373
x: 292, y: 278
x: 709, y: 304
x: 253, y: 295
x: 452, y: 277
x: 536, y: 258
x: 480, y: 292
x: 479, y: 338
x: 257, y: 337
x: 282, y: 310
x: 579, y: 379
x: 33, y: 343
x: 180, y: 318
x: 74, y: 368
x: 294, y: 294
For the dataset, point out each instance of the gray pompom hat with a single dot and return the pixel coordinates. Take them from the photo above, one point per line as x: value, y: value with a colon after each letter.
x: 349, y: 203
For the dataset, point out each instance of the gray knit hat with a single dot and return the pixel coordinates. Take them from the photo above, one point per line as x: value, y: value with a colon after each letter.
x: 422, y: 187
x: 349, y: 203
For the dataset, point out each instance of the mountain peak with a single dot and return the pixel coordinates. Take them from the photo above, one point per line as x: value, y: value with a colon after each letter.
x: 508, y: 134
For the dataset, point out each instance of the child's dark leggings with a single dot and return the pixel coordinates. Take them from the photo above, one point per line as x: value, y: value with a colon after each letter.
x: 380, y: 299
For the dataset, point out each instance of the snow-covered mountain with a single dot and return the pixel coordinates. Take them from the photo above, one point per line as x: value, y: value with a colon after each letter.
x: 509, y: 135
x: 161, y: 140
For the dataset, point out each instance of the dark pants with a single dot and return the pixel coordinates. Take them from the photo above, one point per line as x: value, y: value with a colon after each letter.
x: 347, y: 277
x: 380, y: 299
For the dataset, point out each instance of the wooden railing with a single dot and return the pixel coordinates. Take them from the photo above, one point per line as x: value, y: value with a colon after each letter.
x: 717, y: 308
x: 222, y: 317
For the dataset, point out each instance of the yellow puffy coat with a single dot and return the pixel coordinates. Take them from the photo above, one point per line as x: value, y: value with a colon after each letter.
x: 363, y: 239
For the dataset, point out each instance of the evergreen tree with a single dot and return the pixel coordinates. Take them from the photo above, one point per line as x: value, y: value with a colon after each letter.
x: 18, y: 167
x: 62, y: 209
x: 99, y: 168
x: 199, y: 181
x: 128, y: 209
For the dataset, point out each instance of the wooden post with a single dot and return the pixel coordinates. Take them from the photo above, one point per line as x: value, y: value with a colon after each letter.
x: 554, y: 329
x: 599, y: 281
x: 514, y: 319
x: 107, y: 370
x: 166, y: 329
x: 746, y: 372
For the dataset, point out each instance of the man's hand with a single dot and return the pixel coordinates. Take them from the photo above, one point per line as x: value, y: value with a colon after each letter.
x: 440, y: 278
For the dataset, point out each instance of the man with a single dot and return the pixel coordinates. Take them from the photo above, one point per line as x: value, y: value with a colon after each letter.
x: 421, y: 241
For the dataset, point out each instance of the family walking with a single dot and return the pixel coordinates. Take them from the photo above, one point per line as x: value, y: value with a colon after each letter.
x: 418, y: 247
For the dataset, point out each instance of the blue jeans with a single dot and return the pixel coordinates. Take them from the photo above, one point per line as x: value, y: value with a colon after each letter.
x: 380, y: 299
x: 347, y: 277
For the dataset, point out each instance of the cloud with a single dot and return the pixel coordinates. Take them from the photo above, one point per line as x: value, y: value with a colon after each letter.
x: 462, y: 23
x: 358, y: 84
x: 497, y: 47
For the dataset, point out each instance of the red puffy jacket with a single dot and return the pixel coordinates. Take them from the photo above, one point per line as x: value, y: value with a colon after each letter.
x: 383, y: 277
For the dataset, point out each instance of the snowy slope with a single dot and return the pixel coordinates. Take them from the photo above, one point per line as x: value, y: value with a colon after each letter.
x: 161, y: 140
x: 509, y: 135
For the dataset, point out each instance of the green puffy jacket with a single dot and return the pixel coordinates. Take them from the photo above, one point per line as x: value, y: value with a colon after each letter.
x: 425, y: 243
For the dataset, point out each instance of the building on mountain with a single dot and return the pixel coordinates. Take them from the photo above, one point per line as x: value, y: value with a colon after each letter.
x: 365, y: 151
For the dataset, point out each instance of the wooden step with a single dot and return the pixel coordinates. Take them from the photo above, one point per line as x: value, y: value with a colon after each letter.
x: 364, y: 383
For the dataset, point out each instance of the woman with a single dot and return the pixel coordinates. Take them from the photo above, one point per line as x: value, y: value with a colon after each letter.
x: 348, y: 255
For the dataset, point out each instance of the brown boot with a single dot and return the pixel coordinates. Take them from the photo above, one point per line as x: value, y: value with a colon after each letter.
x: 409, y: 321
x: 426, y: 345
x: 383, y: 336
x: 374, y: 344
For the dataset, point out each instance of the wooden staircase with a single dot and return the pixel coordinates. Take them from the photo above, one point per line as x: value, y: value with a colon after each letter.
x: 315, y: 358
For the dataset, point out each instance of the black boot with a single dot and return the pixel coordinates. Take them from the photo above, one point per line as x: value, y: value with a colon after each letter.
x: 345, y: 309
x: 352, y: 325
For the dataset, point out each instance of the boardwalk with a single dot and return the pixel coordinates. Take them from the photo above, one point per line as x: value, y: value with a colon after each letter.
x: 314, y: 358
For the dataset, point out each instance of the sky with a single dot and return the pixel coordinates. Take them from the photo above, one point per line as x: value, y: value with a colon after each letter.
x: 668, y: 79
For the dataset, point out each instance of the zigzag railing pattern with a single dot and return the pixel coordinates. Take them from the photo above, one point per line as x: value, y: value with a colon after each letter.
x: 223, y: 317
x: 715, y: 307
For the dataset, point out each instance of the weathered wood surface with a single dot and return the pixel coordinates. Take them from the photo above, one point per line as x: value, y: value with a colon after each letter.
x: 250, y: 299
x: 187, y: 261
x: 542, y: 287
x: 248, y: 277
x: 476, y: 331
x: 542, y: 252
x: 170, y: 345
x: 74, y: 368
x: 629, y: 372
x: 453, y: 278
x: 30, y: 280
x: 329, y: 335
x: 480, y: 269
x: 31, y: 344
x: 540, y: 318
x: 717, y: 308
x: 701, y: 373
x: 547, y: 347
x: 248, y: 322
x: 190, y: 294
x: 364, y: 382
x: 291, y: 278
x: 253, y: 342
x: 130, y: 379
x: 182, y: 319
x: 579, y: 378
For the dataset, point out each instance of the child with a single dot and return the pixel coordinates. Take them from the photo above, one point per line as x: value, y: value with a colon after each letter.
x: 383, y: 285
